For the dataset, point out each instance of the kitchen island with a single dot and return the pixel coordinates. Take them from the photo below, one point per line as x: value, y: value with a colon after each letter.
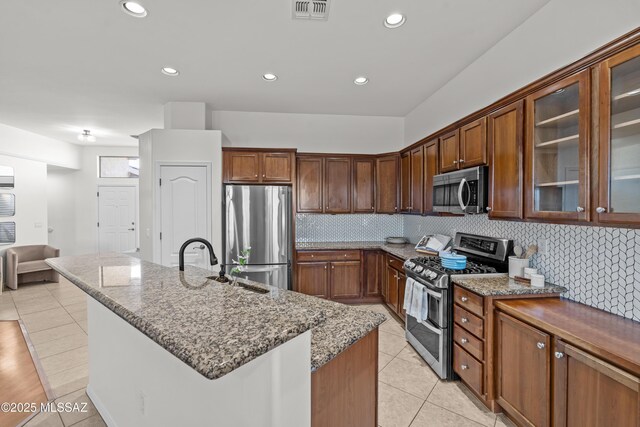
x: 177, y: 348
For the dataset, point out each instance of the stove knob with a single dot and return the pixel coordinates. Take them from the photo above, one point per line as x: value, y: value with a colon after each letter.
x: 419, y: 269
x: 433, y: 275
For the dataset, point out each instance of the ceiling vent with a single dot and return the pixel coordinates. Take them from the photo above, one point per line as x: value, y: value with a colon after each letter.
x: 311, y: 9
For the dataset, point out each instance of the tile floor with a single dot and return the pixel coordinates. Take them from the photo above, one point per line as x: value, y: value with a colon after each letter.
x: 55, y: 316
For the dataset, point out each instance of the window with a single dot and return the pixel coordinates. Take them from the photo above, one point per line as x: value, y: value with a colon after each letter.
x: 119, y: 167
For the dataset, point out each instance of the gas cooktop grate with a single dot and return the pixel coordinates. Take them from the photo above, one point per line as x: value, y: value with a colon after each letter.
x: 433, y: 263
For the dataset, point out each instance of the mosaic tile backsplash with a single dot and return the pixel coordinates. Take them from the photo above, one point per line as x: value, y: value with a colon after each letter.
x: 600, y: 266
x: 347, y: 228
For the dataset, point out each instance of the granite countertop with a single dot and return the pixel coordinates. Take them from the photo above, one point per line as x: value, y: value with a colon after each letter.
x: 213, y: 327
x: 499, y: 284
x: 401, y: 251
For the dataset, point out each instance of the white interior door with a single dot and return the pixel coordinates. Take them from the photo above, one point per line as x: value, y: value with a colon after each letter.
x: 117, y: 219
x: 185, y: 210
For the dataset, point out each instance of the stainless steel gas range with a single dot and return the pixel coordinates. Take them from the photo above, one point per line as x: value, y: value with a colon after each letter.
x: 432, y: 336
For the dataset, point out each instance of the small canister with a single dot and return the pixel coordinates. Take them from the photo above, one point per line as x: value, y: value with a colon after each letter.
x: 517, y: 266
x: 537, y: 280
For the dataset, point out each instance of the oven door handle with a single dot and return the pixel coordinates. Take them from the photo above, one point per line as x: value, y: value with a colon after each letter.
x: 429, y: 290
x: 430, y: 327
x: 462, y: 205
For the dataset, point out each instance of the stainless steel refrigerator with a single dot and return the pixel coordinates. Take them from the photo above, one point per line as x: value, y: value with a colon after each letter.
x: 259, y: 217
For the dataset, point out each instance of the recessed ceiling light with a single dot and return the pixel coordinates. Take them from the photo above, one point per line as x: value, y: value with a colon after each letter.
x: 269, y: 77
x: 394, y: 20
x: 170, y: 71
x: 86, y: 136
x: 133, y: 8
x: 362, y: 80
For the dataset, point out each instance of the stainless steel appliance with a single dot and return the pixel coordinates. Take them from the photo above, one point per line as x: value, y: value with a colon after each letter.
x: 259, y: 218
x: 463, y: 191
x: 432, y: 337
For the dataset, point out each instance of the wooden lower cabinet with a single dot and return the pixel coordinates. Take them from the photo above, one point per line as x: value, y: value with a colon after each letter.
x: 349, y: 276
x: 590, y: 392
x: 395, y: 281
x: 344, y: 392
x: 373, y: 273
x: 345, y: 279
x: 544, y: 377
x: 313, y: 278
x: 523, y: 380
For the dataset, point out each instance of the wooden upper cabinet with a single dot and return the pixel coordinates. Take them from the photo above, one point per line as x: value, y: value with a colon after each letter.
x: 387, y: 184
x: 430, y: 169
x: 473, y: 144
x: 405, y: 182
x: 277, y: 167
x: 309, y: 184
x: 619, y: 139
x: 557, y: 150
x: 241, y: 166
x: 450, y: 152
x: 417, y: 180
x: 523, y: 380
x: 505, y: 139
x: 364, y: 185
x: 591, y: 392
x: 337, y: 185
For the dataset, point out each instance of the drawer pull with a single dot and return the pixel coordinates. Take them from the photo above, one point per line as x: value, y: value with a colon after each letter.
x: 465, y: 320
x: 559, y: 355
x: 540, y: 345
x: 464, y: 367
x: 325, y: 267
x: 464, y: 299
x: 464, y: 340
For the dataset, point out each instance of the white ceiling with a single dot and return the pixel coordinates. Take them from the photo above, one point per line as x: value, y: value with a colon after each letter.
x: 68, y: 65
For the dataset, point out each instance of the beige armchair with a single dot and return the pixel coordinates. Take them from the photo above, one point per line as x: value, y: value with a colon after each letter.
x: 26, y: 264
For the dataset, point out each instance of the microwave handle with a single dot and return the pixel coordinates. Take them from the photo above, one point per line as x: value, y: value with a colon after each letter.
x: 462, y: 205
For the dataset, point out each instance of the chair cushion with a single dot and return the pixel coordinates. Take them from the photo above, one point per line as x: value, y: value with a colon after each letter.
x: 31, y: 266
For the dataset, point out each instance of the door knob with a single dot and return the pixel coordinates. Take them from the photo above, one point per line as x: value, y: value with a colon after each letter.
x: 580, y: 209
x: 600, y: 209
x: 465, y: 320
x: 201, y: 247
x: 464, y: 367
x: 540, y: 345
x: 461, y: 160
x: 488, y: 209
x: 132, y: 229
x: 464, y: 299
x: 455, y: 162
x: 559, y: 355
x: 464, y: 340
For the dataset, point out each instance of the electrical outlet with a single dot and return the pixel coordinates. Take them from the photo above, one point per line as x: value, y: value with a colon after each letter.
x: 543, y: 246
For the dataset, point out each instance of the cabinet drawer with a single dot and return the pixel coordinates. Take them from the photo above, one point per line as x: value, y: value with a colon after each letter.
x: 396, y: 263
x: 312, y: 256
x: 468, y: 321
x: 470, y: 370
x: 470, y: 301
x: 469, y: 342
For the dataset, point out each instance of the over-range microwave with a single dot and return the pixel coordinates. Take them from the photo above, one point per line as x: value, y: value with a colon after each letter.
x: 463, y: 191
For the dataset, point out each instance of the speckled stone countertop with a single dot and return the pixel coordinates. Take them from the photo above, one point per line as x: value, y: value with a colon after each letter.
x: 401, y: 251
x: 500, y: 284
x: 213, y: 327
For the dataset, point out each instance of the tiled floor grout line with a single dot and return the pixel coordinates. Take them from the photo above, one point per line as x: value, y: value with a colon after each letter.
x: 460, y: 415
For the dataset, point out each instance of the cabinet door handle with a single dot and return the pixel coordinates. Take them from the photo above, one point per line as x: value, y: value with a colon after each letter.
x: 580, y: 209
x: 600, y: 209
x: 464, y: 299
x: 256, y: 175
x: 540, y: 345
x: 559, y: 355
x: 464, y: 367
x: 396, y: 208
x: 465, y: 320
x: 372, y: 208
x: 464, y: 340
x: 333, y: 267
x: 455, y: 162
x: 325, y: 267
x: 461, y: 160
x: 488, y: 209
x: 264, y: 175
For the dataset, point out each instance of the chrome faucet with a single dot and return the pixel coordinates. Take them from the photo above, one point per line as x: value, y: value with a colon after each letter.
x: 212, y: 257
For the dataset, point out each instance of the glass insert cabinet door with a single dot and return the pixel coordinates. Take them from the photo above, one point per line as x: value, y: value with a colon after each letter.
x: 557, y: 150
x: 619, y: 149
